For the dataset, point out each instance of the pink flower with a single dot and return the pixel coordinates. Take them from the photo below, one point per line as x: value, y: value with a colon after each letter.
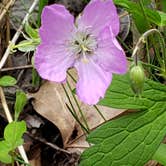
x: 87, y: 43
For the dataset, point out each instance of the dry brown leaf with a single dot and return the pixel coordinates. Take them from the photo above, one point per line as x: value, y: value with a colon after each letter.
x: 79, y: 144
x: 50, y: 103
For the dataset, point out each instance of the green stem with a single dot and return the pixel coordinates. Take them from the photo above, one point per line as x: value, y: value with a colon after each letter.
x: 124, y: 45
x: 77, y: 119
x: 94, y: 105
x: 97, y: 109
x: 79, y: 108
x: 21, y: 161
x: 74, y: 112
x: 157, y: 53
x: 147, y: 54
x: 142, y: 40
x: 42, y: 3
x: 71, y: 76
x: 68, y: 97
x: 147, y: 65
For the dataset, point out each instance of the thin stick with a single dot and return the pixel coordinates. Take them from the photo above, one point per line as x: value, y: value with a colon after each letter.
x: 16, y: 68
x: 5, y: 106
x: 17, y: 34
x: 9, y: 118
x: 48, y: 143
x: 10, y: 3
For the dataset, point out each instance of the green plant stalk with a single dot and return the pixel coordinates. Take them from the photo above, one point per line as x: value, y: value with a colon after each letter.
x: 124, y: 45
x: 149, y: 62
x: 157, y: 53
x: 142, y: 39
x: 163, y: 47
x: 74, y: 112
x: 17, y: 158
x: 71, y: 76
x: 97, y: 109
x: 79, y: 108
x: 94, y: 105
x: 160, y: 154
x: 42, y: 3
x: 147, y: 54
x: 147, y: 65
x: 68, y: 97
x: 77, y: 119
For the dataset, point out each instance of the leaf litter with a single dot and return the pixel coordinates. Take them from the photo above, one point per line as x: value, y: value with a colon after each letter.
x: 50, y: 102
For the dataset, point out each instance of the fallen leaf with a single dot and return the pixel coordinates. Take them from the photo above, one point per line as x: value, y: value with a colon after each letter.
x: 50, y: 102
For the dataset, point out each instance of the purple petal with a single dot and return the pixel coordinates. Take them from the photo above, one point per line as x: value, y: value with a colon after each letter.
x: 57, y: 24
x: 109, y: 55
x: 52, y: 61
x: 92, y: 83
x: 98, y: 14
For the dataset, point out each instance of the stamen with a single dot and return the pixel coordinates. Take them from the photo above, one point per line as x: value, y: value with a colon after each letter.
x: 83, y: 44
x: 84, y: 58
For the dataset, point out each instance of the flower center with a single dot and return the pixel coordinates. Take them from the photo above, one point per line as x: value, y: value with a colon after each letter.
x: 83, y: 44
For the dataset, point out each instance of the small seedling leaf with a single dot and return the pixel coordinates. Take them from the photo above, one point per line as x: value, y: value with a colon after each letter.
x: 7, y: 81
x: 13, y: 133
x: 33, y: 33
x: 4, y: 153
x: 21, y: 100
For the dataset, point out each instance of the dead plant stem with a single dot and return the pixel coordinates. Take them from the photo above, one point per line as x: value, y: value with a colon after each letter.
x: 10, y: 3
x: 16, y: 68
x: 17, y: 34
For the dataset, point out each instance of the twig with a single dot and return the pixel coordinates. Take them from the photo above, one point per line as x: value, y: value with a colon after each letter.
x: 16, y: 68
x: 9, y: 118
x: 11, y: 2
x: 5, y: 106
x: 48, y: 143
x: 123, y: 14
x: 17, y: 34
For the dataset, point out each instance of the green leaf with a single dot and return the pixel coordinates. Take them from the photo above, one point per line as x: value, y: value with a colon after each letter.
x: 7, y: 81
x: 21, y: 100
x: 160, y: 154
x: 130, y: 140
x: 4, y: 153
x: 153, y: 16
x: 33, y: 33
x: 35, y: 78
x: 163, y: 18
x: 26, y: 46
x: 120, y: 94
x: 13, y: 133
x: 163, y: 5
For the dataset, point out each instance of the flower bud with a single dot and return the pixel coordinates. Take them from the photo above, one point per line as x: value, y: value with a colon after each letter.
x: 137, y: 77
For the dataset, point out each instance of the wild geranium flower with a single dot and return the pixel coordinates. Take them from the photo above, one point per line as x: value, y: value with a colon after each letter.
x: 88, y: 43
